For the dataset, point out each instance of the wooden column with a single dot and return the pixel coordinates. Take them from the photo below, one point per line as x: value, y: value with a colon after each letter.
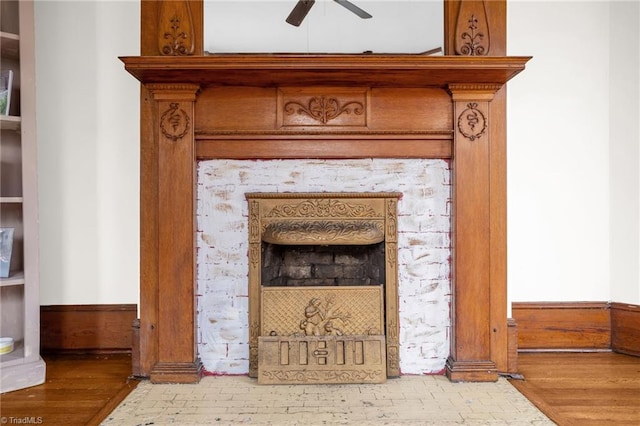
x: 479, y: 28
x: 177, y: 360
x: 471, y: 356
x: 169, y: 28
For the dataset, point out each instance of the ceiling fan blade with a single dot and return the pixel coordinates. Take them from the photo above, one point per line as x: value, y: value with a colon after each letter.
x: 299, y: 12
x: 355, y: 9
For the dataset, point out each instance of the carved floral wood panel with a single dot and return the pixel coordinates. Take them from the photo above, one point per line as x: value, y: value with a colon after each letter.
x: 472, y: 36
x: 323, y: 107
x: 176, y: 35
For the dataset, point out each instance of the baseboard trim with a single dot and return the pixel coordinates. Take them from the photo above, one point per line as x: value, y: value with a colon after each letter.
x: 87, y: 328
x: 625, y: 328
x: 586, y: 351
x: 577, y: 327
x: 535, y: 326
x: 563, y: 326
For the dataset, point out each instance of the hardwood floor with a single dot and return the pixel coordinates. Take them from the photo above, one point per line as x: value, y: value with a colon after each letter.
x: 79, y: 390
x: 582, y: 388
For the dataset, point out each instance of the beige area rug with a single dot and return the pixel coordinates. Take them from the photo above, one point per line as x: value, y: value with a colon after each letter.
x: 409, y: 400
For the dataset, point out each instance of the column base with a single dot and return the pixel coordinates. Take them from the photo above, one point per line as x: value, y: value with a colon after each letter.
x: 176, y: 372
x: 471, y: 371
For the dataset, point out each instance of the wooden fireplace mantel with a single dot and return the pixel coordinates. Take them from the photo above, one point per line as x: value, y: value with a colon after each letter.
x: 310, y: 70
x: 196, y: 106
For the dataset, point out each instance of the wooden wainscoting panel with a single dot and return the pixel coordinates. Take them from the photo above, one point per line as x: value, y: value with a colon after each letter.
x: 625, y: 328
x: 563, y: 325
x: 87, y: 328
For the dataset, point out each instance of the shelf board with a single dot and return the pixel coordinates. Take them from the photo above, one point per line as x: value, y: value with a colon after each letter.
x: 10, y: 122
x: 16, y: 278
x: 343, y: 70
x: 16, y: 356
x: 10, y: 45
x: 11, y: 200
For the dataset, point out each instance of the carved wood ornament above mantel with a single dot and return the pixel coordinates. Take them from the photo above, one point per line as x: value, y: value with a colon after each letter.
x: 262, y: 106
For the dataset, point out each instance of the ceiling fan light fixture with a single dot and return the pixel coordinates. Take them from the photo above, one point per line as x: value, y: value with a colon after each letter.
x: 299, y: 12
x: 302, y: 8
x: 353, y: 8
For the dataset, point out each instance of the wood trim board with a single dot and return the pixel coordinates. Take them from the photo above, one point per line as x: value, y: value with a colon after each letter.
x: 625, y: 328
x: 577, y: 326
x: 87, y: 328
x: 535, y: 326
x: 563, y: 325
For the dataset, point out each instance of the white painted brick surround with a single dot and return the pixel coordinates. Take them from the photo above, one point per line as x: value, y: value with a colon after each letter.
x: 423, y: 245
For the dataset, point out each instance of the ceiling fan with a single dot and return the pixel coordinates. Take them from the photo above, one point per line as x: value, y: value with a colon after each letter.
x: 303, y: 7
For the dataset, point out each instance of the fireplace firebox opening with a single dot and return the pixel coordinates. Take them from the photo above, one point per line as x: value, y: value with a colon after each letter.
x: 322, y: 265
x: 323, y: 287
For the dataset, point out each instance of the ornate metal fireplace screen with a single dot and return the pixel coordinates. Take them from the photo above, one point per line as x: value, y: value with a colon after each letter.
x: 323, y: 328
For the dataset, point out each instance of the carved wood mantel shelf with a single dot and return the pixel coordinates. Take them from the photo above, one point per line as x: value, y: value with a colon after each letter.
x: 323, y: 106
x: 309, y: 70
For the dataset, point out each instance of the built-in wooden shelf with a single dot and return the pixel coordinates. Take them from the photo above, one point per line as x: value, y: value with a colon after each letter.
x: 11, y: 200
x: 15, y: 357
x: 16, y: 278
x: 19, y: 293
x: 10, y: 45
x: 10, y: 122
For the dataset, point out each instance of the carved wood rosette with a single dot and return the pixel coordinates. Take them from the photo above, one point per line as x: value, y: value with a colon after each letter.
x: 174, y: 122
x: 472, y: 122
x: 177, y: 362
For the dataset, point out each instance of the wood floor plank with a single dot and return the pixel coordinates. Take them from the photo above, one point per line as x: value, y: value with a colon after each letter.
x: 79, y: 390
x: 585, y: 389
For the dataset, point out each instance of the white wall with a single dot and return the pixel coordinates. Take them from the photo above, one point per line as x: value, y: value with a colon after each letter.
x: 87, y: 113
x: 625, y: 151
x: 573, y: 190
x: 573, y: 180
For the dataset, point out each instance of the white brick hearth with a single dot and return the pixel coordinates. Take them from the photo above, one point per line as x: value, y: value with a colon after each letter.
x: 423, y: 246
